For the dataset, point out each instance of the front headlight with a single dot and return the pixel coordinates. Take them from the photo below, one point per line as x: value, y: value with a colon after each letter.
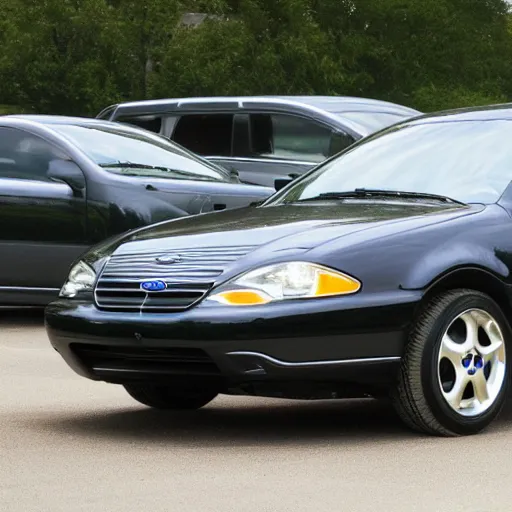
x: 294, y: 280
x: 81, y: 279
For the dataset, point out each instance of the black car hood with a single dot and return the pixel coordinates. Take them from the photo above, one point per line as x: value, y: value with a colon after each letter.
x: 281, y: 228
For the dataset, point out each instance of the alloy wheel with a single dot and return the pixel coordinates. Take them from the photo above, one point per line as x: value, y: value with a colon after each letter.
x: 472, y: 363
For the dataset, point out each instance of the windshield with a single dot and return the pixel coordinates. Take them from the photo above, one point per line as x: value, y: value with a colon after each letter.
x: 144, y: 154
x: 470, y: 161
x: 372, y: 121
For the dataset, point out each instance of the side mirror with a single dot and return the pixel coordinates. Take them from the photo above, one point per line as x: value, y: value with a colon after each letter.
x: 280, y: 183
x: 67, y: 172
x: 234, y: 175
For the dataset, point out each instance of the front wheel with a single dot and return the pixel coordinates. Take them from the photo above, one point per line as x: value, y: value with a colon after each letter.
x: 454, y: 374
x: 169, y: 397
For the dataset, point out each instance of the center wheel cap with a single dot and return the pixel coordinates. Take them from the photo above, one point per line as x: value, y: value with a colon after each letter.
x: 472, y: 362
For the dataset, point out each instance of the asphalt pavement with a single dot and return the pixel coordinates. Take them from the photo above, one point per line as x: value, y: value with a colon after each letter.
x: 68, y: 444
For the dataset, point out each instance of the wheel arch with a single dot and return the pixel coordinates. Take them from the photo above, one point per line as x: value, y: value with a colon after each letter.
x: 474, y: 278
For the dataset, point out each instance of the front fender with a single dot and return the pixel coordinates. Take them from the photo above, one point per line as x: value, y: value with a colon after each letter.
x: 449, y: 257
x: 412, y: 259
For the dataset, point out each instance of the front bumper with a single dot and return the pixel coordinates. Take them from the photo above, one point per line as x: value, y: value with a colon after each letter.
x: 356, y: 340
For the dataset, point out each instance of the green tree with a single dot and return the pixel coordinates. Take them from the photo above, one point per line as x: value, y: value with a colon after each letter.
x: 54, y: 60
x: 77, y: 56
x: 417, y: 52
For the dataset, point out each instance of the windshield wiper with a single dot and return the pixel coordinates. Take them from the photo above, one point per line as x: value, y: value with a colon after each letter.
x: 369, y: 192
x: 131, y: 165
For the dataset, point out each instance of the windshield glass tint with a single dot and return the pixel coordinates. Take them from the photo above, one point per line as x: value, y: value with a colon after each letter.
x: 470, y: 161
x: 111, y: 146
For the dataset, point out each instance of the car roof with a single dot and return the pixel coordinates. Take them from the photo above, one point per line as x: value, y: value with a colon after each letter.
x: 56, y: 119
x: 500, y: 111
x: 320, y: 108
x: 341, y: 104
x: 48, y: 120
x: 333, y: 104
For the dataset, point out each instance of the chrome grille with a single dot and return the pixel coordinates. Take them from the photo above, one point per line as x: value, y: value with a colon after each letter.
x: 187, y: 280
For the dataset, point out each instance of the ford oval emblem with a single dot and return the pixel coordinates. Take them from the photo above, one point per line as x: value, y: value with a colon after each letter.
x: 168, y: 259
x: 153, y: 286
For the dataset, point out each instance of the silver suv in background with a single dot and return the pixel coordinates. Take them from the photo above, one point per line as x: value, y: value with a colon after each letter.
x: 263, y: 138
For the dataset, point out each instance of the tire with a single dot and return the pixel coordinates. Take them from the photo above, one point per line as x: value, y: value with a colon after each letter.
x: 422, y: 397
x: 168, y: 397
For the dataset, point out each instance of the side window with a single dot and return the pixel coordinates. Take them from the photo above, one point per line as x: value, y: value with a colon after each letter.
x: 150, y: 123
x: 26, y: 156
x: 205, y: 134
x: 294, y: 138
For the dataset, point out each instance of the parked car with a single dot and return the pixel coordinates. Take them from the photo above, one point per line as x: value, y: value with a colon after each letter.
x: 67, y: 184
x: 263, y: 138
x: 384, y: 271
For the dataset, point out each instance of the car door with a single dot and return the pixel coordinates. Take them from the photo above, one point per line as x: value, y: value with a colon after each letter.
x: 43, y: 222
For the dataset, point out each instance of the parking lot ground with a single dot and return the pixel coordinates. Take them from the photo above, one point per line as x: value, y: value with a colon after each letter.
x: 68, y: 444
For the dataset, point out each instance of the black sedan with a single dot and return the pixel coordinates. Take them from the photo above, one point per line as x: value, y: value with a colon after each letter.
x: 67, y: 184
x: 386, y: 271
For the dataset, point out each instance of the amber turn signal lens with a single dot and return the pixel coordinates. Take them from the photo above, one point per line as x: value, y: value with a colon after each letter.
x: 330, y: 283
x: 242, y: 297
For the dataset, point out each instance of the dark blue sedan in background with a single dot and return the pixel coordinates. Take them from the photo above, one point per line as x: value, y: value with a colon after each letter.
x: 69, y: 183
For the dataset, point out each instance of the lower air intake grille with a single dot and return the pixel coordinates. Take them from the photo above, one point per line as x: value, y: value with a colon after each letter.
x: 138, y: 360
x: 188, y: 275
